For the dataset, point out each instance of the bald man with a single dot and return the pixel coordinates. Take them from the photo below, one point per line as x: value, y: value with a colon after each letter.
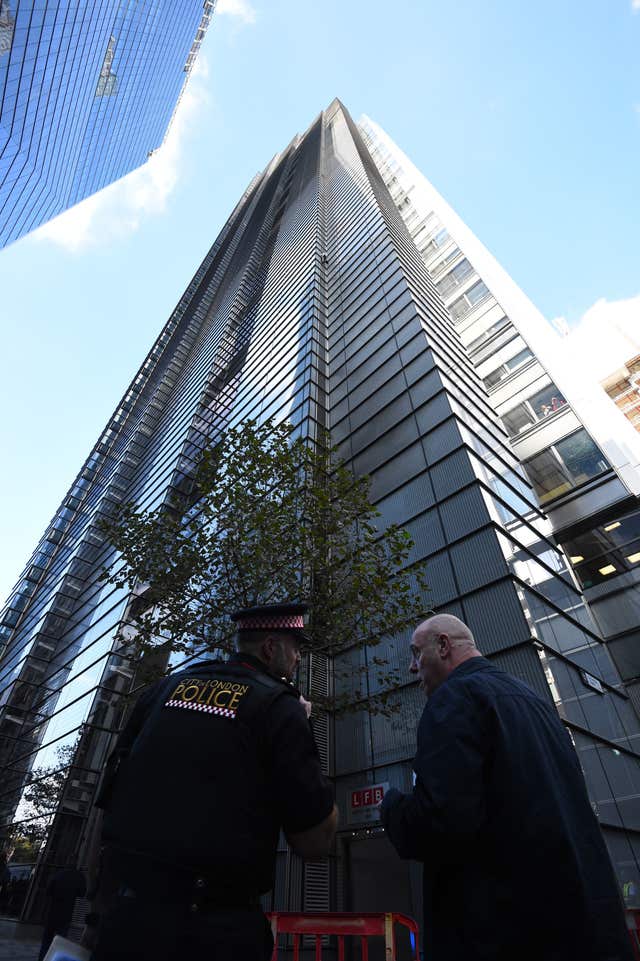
x: 515, y: 866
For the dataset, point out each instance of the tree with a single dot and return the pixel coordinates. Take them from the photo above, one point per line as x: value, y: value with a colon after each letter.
x: 25, y: 850
x: 262, y: 517
x: 42, y: 794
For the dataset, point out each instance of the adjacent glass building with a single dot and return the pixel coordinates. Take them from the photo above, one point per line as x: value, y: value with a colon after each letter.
x: 87, y: 92
x: 315, y: 305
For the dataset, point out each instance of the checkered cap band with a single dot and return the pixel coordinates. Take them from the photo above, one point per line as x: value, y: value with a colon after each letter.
x: 260, y: 622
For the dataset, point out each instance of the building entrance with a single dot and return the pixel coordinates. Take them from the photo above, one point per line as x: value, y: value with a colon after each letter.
x: 377, y: 880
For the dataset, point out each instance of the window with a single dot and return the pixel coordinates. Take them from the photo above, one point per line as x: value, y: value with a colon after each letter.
x: 437, y: 241
x: 495, y: 376
x: 517, y: 420
x: 547, y: 401
x: 477, y: 293
x: 539, y: 406
x: 460, y: 307
x: 446, y: 259
x: 502, y: 324
x: 581, y: 456
x: 566, y: 464
x: 519, y: 359
x: 606, y: 550
x: 455, y: 277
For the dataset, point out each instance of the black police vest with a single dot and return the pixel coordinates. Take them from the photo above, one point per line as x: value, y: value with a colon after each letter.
x: 194, y: 791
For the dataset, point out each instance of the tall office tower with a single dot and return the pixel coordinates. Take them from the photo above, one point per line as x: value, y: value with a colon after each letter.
x: 87, y: 92
x: 314, y: 305
x: 580, y: 454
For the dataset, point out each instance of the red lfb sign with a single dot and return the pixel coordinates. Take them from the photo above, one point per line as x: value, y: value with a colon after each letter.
x: 367, y: 796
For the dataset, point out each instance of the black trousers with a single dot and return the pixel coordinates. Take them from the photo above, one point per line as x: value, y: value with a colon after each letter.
x: 132, y: 929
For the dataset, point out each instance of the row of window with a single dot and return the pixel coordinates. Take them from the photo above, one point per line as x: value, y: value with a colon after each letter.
x: 565, y: 464
x: 536, y: 408
x: 507, y: 367
x: 471, y: 297
x: 456, y: 276
x: 606, y: 550
x: 500, y: 325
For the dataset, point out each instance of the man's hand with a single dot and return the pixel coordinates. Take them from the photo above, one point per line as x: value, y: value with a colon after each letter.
x: 307, y: 705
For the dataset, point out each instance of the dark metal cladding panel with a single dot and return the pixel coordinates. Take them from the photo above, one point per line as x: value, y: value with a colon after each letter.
x: 433, y: 412
x: 524, y: 663
x: 495, y: 617
x: 452, y: 473
x: 395, y: 736
x: 392, y: 475
x: 442, y: 440
x: 441, y: 580
x: 427, y: 534
x: 413, y: 498
x: 633, y: 690
x: 477, y: 560
x: 353, y: 746
x: 464, y: 513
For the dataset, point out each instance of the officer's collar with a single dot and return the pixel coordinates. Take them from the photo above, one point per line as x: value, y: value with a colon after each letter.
x: 255, y: 664
x: 248, y: 660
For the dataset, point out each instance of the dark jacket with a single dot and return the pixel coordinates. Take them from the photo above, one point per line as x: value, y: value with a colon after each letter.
x: 64, y: 887
x: 213, y: 762
x: 515, y: 865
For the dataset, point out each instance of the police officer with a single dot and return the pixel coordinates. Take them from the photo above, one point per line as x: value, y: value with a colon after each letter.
x: 212, y: 763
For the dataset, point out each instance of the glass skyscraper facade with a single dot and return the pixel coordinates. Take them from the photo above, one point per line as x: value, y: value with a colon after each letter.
x: 315, y: 306
x: 580, y: 453
x: 87, y: 92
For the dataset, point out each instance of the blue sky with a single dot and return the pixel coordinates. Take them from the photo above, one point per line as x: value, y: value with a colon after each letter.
x: 526, y: 117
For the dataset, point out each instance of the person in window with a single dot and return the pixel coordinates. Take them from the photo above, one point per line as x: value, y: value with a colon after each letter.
x: 515, y: 865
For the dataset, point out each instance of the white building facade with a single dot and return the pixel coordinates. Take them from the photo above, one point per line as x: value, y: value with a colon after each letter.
x: 581, y: 455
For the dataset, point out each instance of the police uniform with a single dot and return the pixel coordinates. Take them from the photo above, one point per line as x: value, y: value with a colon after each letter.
x: 213, y: 762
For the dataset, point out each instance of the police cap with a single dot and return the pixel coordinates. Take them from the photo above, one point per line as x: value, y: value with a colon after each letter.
x: 282, y: 618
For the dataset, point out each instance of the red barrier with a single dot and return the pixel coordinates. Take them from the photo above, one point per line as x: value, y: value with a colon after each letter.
x: 633, y: 924
x: 341, y: 925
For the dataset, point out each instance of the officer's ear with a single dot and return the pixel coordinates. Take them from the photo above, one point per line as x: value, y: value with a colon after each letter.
x: 268, y: 647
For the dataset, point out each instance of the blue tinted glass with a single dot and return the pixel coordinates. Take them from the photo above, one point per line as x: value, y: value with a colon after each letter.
x: 87, y: 92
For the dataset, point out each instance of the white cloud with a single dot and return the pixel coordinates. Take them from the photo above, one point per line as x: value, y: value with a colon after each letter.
x: 120, y: 208
x: 242, y: 10
x: 607, y: 335
x: 635, y: 4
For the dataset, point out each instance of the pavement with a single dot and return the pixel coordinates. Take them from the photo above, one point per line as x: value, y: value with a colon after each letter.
x: 19, y: 942
x: 13, y: 950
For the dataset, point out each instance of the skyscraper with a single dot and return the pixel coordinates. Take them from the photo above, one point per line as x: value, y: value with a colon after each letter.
x: 87, y: 92
x: 579, y: 452
x: 314, y: 305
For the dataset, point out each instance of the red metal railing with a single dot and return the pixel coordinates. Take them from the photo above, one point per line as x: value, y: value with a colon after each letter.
x: 633, y: 924
x: 342, y: 925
